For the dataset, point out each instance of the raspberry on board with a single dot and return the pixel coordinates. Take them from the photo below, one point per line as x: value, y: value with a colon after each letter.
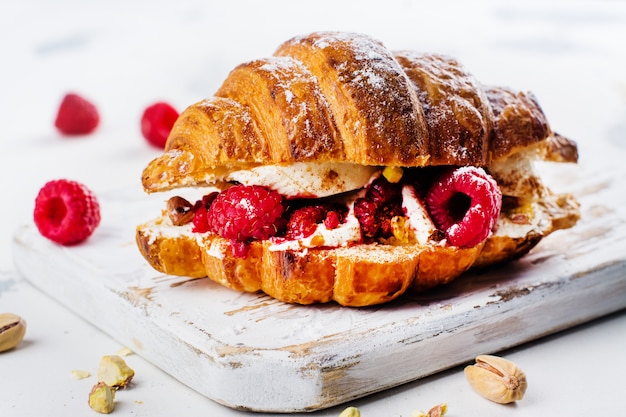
x: 465, y: 204
x: 76, y: 116
x: 156, y: 123
x: 66, y: 212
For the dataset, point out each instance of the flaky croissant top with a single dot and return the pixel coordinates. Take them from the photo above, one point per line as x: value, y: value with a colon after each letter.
x: 344, y: 97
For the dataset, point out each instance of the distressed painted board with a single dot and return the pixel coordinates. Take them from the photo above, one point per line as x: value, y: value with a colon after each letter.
x: 250, y: 352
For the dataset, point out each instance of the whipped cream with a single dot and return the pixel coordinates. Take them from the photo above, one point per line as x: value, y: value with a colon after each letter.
x: 415, y: 211
x: 307, y: 179
x: 347, y: 232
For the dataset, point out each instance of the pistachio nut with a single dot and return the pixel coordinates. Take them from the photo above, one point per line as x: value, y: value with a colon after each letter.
x: 102, y: 398
x: 496, y: 379
x: 350, y: 412
x: 12, y: 330
x: 114, y: 371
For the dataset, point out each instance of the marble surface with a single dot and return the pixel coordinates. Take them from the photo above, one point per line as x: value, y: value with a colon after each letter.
x: 126, y: 55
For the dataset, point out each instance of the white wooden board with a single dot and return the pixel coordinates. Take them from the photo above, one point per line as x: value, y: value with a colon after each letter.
x: 250, y: 352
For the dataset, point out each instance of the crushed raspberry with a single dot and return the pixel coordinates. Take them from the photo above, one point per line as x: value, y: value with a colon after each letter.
x: 76, y: 116
x: 465, y: 204
x: 333, y: 219
x: 382, y: 202
x: 200, y: 209
x: 365, y: 212
x: 240, y: 249
x: 304, y: 220
x: 66, y: 212
x: 156, y: 123
x: 246, y: 212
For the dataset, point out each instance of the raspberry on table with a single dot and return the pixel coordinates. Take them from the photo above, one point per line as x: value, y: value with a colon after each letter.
x: 246, y: 212
x: 465, y: 204
x: 157, y: 122
x: 66, y: 212
x: 76, y: 116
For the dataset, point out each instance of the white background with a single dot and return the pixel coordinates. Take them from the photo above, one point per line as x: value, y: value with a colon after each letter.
x: 124, y: 55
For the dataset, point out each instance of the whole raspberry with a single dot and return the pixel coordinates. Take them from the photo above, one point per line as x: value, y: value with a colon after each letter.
x: 66, y: 212
x: 246, y: 212
x: 156, y: 123
x: 76, y: 116
x: 465, y: 204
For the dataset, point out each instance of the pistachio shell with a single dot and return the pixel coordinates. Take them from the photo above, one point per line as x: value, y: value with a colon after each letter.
x: 12, y: 330
x: 497, y: 379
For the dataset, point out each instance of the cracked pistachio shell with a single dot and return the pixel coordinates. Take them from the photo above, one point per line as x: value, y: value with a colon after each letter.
x: 496, y: 379
x: 12, y: 330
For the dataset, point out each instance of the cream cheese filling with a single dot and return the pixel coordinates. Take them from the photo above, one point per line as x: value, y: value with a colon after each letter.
x: 307, y: 179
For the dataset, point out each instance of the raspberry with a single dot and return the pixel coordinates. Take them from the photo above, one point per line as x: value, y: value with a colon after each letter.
x: 334, y: 219
x: 156, y: 123
x: 465, y: 204
x: 304, y: 220
x: 66, y: 212
x: 76, y: 116
x: 382, y: 202
x: 246, y: 212
x: 201, y: 208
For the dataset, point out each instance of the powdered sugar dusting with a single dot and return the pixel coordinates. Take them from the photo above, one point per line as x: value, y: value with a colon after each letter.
x: 299, y: 88
x: 378, y: 85
x: 373, y: 60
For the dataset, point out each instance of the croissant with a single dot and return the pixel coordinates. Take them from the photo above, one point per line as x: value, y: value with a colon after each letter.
x: 342, y: 171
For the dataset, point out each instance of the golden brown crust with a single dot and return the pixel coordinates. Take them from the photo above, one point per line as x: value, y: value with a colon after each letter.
x: 441, y: 264
x: 171, y: 255
x: 561, y: 149
x: 208, y: 139
x: 354, y: 276
x: 285, y: 101
x: 378, y: 115
x: 457, y: 112
x: 519, y: 121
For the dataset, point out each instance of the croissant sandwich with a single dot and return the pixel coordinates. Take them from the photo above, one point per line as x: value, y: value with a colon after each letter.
x: 339, y: 170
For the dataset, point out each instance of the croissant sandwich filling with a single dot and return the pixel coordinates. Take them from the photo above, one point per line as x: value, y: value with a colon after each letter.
x: 394, y: 206
x: 340, y: 170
